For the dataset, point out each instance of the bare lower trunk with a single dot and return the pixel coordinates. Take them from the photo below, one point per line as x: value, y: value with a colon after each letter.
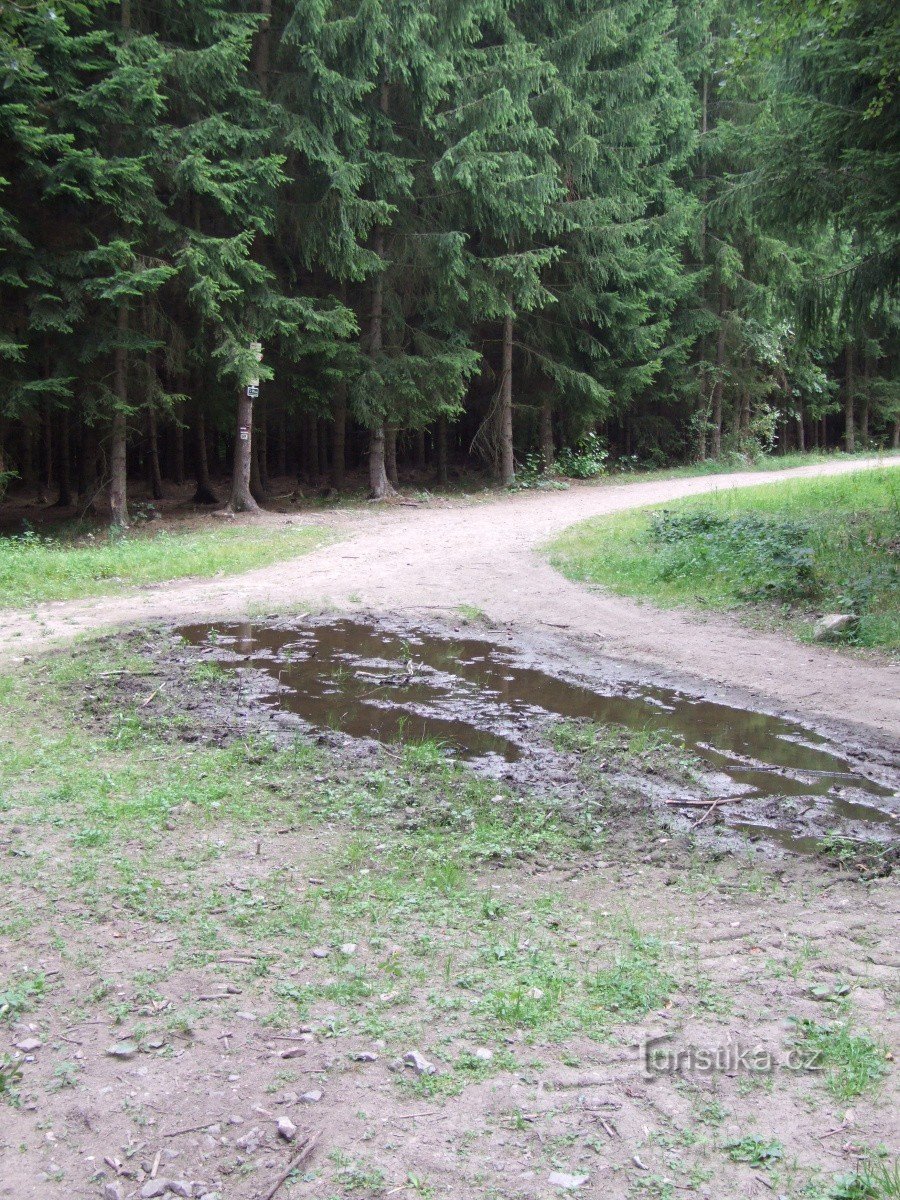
x: 156, y: 486
x: 241, y: 498
x: 548, y: 451
x: 281, y: 441
x: 175, y: 448
x: 204, y: 493
x: 895, y: 440
x: 507, y: 460
x: 719, y: 384
x: 849, y: 401
x: 379, y: 484
x: 310, y: 450
x: 88, y: 487
x: 390, y: 454
x: 64, y: 462
x: 118, y: 458
x: 46, y: 449
x: 421, y: 454
x: 338, y: 439
x: 745, y: 414
x: 443, y: 473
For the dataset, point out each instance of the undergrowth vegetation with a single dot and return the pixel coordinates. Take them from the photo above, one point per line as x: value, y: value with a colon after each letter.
x: 792, y: 550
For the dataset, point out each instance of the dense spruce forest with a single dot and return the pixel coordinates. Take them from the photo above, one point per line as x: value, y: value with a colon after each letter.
x: 343, y: 241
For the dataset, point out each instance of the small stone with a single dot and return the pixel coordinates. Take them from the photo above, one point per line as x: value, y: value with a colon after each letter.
x: 320, y: 952
x: 419, y: 1063
x: 312, y: 1097
x: 535, y: 993
x: 833, y: 626
x: 286, y: 1128
x: 484, y: 1054
x: 246, y: 1016
x: 113, y: 1191
x: 235, y: 1119
x: 348, y: 948
x: 562, y: 1179
x: 124, y: 1050
x: 365, y: 1056
x: 180, y: 1187
x: 27, y: 1045
x: 154, y: 1043
x: 154, y: 1187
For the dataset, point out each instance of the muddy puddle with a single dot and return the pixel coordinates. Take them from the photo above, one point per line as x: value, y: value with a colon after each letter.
x: 485, y: 704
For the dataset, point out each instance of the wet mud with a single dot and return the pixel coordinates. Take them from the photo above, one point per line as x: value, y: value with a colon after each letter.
x: 746, y: 773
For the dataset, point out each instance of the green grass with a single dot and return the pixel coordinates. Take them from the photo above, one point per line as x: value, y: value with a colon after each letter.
x: 35, y: 568
x: 791, y: 550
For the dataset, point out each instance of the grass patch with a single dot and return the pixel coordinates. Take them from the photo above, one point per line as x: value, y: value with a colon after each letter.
x: 34, y: 568
x: 853, y: 1062
x: 792, y: 549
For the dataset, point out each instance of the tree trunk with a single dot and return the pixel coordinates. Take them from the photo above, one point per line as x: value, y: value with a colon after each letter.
x: 801, y: 433
x: 281, y: 440
x: 421, y: 453
x: 118, y: 454
x: 241, y: 498
x: 718, y: 386
x: 87, y: 464
x: 259, y: 475
x: 339, y: 438
x: 390, y: 454
x: 745, y: 414
x: 507, y: 460
x: 849, y: 399
x: 443, y: 473
x: 64, y: 462
x: 322, y: 440
x: 895, y: 440
x: 156, y: 486
x: 204, y: 493
x: 175, y: 448
x: 379, y: 484
x: 46, y: 448
x: 548, y: 451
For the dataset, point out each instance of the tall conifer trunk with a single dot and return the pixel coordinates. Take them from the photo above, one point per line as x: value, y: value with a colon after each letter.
x: 241, y: 496
x: 63, y: 461
x: 849, y: 399
x: 339, y: 438
x: 156, y: 486
x: 390, y: 454
x: 175, y: 447
x: 507, y: 460
x: 719, y: 384
x: 118, y: 452
x: 204, y: 493
x: 379, y: 484
x: 443, y: 473
x: 548, y: 450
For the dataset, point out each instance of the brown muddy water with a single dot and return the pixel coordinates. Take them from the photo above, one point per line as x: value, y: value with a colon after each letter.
x: 483, y: 704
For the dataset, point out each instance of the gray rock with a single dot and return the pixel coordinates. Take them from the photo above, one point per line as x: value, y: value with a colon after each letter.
x: 154, y: 1187
x: 562, y: 1179
x: 365, y: 1056
x: 319, y: 952
x: 419, y: 1063
x: 180, y: 1187
x: 286, y: 1128
x: 833, y: 626
x: 27, y: 1045
x: 312, y: 1097
x: 124, y: 1050
x: 483, y: 1054
x: 113, y: 1191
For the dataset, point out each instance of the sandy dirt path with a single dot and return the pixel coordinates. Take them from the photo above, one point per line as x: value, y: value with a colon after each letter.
x: 488, y: 555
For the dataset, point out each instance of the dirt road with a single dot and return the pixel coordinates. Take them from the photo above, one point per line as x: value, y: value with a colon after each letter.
x: 488, y: 555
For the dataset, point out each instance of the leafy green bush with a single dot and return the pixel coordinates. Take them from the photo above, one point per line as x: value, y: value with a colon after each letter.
x: 769, y: 557
x: 585, y: 460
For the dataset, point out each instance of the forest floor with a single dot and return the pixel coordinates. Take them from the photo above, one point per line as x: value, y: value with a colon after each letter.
x: 484, y: 554
x: 223, y: 932
x: 228, y: 940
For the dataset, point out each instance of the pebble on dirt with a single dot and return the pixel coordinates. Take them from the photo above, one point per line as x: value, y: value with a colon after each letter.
x: 419, y: 1063
x: 833, y: 626
x: 562, y: 1179
x: 286, y: 1128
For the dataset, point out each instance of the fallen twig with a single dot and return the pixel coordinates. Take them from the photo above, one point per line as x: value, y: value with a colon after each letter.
x: 152, y: 695
x: 298, y: 1159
